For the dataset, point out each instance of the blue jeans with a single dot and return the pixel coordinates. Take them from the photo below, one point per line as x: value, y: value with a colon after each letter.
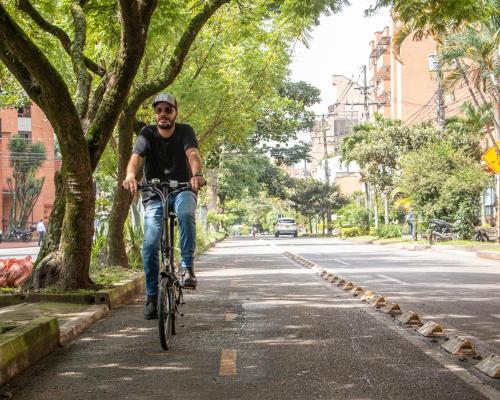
x: 184, y: 205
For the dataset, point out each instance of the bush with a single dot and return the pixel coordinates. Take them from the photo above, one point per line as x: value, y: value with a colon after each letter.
x: 372, y: 231
x: 355, y: 215
x: 389, y: 231
x: 352, y: 231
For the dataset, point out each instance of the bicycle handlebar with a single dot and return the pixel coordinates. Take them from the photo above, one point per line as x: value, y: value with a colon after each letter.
x: 156, y: 184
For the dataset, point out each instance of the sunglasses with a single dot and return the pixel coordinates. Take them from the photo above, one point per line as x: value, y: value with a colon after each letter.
x: 167, y: 110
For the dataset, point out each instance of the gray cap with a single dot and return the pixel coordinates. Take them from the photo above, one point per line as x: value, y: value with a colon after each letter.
x: 166, y: 98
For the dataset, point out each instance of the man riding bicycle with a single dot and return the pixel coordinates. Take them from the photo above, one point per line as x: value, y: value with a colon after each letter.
x: 170, y: 152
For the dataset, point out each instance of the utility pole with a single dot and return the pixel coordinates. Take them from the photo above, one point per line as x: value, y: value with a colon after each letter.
x: 327, y: 173
x: 366, y: 115
x: 434, y: 66
x: 325, y: 147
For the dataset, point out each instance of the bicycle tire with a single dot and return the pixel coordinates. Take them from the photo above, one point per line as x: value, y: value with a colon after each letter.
x: 165, y: 312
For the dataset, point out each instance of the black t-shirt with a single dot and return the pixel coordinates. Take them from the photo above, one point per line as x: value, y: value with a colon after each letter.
x: 165, y: 158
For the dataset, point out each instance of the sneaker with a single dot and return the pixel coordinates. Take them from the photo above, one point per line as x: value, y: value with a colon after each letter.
x: 151, y: 308
x: 190, y: 280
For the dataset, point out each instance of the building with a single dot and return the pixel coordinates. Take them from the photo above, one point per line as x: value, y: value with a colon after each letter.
x: 404, y: 86
x: 346, y: 111
x: 296, y: 173
x: 31, y: 123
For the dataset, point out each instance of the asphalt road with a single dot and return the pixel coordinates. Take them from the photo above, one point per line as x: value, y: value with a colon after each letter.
x: 453, y: 288
x: 258, y: 326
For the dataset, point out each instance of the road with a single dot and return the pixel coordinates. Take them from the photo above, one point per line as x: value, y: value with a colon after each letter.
x: 258, y: 326
x: 453, y: 288
x: 18, y: 252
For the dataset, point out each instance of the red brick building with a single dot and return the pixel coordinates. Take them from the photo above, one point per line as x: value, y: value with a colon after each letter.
x: 31, y: 123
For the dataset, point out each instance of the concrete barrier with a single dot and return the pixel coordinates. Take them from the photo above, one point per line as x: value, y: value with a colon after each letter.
x: 26, y: 344
x: 121, y: 292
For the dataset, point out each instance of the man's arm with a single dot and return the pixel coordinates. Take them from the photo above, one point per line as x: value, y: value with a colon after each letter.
x: 193, y: 155
x: 130, y: 182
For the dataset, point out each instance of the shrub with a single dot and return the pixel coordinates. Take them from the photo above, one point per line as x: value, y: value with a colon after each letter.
x: 352, y: 231
x: 389, y: 231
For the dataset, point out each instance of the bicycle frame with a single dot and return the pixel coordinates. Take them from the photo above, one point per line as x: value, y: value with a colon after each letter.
x: 167, y: 248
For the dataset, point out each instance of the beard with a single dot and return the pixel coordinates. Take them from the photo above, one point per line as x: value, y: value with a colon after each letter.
x: 165, y: 124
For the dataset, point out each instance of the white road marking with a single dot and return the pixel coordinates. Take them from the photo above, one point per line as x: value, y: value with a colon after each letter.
x: 340, y: 261
x: 388, y: 278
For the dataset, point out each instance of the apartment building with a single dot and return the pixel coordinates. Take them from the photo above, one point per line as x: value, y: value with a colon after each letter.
x: 31, y: 123
x: 404, y: 86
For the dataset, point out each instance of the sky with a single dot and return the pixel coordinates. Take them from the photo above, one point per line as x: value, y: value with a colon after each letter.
x: 339, y: 46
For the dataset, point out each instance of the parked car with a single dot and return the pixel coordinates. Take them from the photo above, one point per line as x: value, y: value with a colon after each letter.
x: 286, y: 226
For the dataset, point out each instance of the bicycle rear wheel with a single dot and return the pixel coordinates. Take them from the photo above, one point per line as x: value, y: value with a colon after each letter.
x: 165, y: 312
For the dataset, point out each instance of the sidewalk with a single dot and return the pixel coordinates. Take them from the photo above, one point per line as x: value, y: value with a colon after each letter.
x: 17, y: 245
x: 258, y: 326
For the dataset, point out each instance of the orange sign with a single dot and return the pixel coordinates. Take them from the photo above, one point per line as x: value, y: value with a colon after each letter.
x: 492, y: 159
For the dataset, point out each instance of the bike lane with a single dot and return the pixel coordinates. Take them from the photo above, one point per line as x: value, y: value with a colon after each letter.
x: 258, y: 326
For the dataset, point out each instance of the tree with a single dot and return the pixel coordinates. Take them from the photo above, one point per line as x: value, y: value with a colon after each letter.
x: 25, y: 159
x: 293, y: 154
x: 235, y: 65
x: 443, y: 182
x: 83, y: 124
x: 313, y: 198
x: 288, y: 114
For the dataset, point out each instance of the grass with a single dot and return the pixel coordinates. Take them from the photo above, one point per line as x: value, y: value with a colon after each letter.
x: 8, y: 290
x: 108, y: 276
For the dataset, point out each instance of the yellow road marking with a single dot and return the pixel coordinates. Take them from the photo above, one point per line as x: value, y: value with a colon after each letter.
x: 227, y: 363
x: 230, y: 316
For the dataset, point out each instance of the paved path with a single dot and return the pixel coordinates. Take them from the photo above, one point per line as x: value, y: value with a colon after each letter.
x: 260, y: 327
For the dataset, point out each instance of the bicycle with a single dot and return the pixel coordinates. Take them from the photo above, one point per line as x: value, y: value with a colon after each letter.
x: 170, y: 296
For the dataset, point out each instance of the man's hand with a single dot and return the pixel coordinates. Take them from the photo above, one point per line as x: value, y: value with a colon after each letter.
x: 197, y: 182
x: 130, y: 184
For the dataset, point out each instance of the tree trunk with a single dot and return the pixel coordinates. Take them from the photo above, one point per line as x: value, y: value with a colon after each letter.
x: 53, y: 235
x: 212, y: 175
x: 68, y: 267
x: 117, y: 254
x: 386, y: 209
x: 376, y: 211
x: 369, y: 203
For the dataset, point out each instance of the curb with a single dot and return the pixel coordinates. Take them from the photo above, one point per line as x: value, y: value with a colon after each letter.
x: 59, y: 298
x: 71, y: 329
x: 26, y: 344
x: 16, y: 298
x: 118, y: 295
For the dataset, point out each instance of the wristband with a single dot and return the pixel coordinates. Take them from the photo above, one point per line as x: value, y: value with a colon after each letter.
x: 199, y: 174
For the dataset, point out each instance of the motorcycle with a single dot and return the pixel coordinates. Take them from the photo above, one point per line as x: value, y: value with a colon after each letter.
x: 19, y: 234
x: 440, y: 230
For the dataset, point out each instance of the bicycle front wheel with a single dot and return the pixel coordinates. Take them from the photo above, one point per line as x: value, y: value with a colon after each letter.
x: 165, y: 312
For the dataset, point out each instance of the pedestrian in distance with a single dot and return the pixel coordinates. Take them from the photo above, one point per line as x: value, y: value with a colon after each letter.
x: 40, y: 228
x: 170, y: 152
x: 409, y: 221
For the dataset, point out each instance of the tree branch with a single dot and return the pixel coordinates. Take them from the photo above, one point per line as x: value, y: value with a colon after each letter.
x: 135, y: 20
x: 83, y: 78
x: 27, y: 7
x: 39, y: 78
x: 179, y: 55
